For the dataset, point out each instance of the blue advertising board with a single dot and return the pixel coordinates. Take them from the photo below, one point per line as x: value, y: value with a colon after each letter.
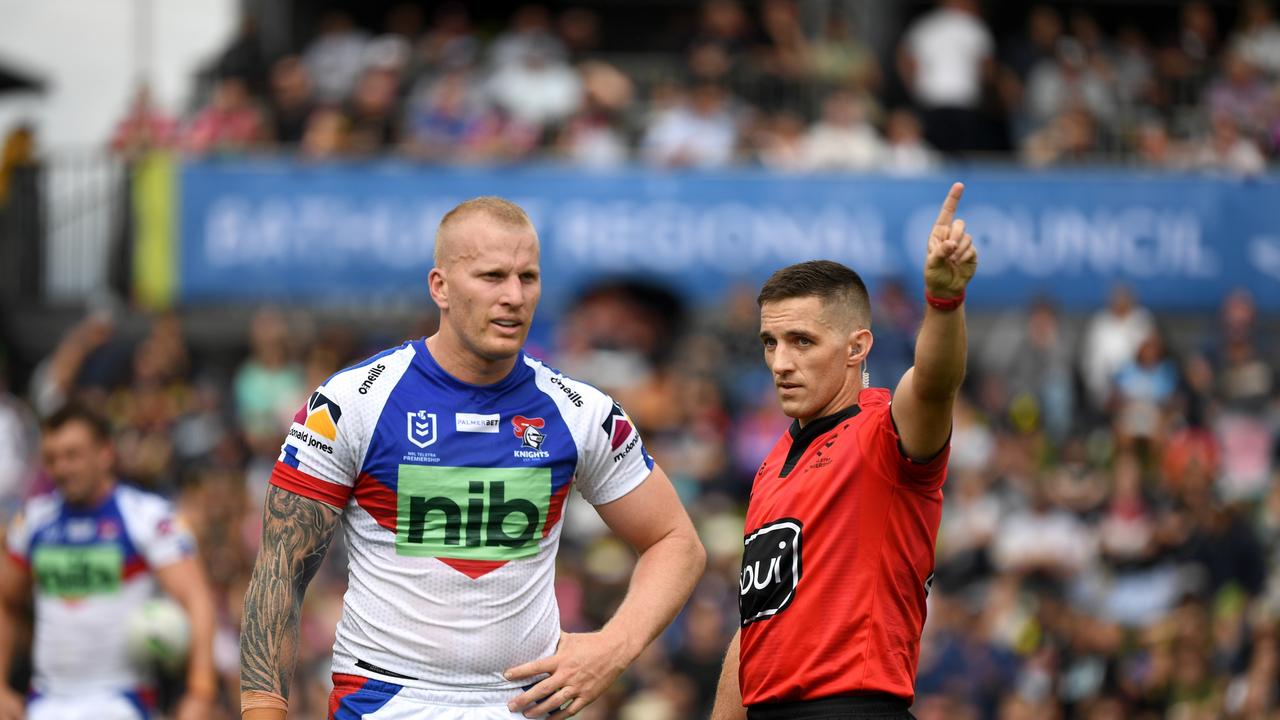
x: 257, y: 230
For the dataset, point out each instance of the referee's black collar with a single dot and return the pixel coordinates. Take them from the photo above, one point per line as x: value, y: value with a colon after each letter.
x: 802, y: 438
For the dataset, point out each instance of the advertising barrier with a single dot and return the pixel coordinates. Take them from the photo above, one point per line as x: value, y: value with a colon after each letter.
x: 280, y: 230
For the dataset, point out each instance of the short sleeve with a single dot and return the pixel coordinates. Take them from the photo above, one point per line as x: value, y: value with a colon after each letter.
x: 614, y: 460
x: 322, y: 452
x: 18, y: 539
x: 927, y: 475
x: 162, y: 538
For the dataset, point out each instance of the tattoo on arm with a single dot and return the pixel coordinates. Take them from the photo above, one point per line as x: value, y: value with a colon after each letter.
x: 295, y: 536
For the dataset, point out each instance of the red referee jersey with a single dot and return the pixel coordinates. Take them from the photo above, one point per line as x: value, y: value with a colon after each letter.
x: 839, y: 553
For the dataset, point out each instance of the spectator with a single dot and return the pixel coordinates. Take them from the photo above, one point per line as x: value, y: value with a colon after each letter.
x: 723, y: 29
x: 1187, y: 61
x: 326, y: 135
x: 579, y: 31
x: 1156, y: 150
x: 907, y: 152
x: 445, y: 117
x: 843, y: 139
x: 838, y: 57
x: 18, y: 151
x: 536, y: 88
x: 335, y: 58
x: 699, y: 132
x: 268, y: 385
x: 18, y: 441
x: 290, y: 103
x: 1144, y: 391
x: 781, y: 144
x: 1258, y: 39
x: 530, y: 35
x: 1069, y: 81
x: 229, y: 123
x: 593, y: 138
x: 1226, y: 148
x: 144, y: 127
x: 1241, y: 94
x: 372, y: 112
x: 1111, y: 341
x: 945, y: 59
x: 1070, y: 138
x: 449, y: 45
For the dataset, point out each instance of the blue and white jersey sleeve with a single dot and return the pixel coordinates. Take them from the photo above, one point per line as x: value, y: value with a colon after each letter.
x: 612, y: 460
x: 326, y: 444
x: 35, y: 514
x: 160, y: 537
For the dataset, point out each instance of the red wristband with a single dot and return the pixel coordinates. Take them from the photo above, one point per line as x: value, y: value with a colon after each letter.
x: 944, y: 304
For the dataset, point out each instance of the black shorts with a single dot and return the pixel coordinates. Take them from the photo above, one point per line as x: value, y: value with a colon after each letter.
x: 871, y: 706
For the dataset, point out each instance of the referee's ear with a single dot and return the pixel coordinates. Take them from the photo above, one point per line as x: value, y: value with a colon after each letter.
x: 860, y: 342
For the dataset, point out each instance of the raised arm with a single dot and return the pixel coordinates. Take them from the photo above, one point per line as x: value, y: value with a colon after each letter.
x: 651, y: 520
x: 924, y: 397
x: 296, y: 532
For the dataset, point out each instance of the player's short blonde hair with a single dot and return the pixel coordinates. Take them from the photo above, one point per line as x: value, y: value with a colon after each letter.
x: 495, y: 208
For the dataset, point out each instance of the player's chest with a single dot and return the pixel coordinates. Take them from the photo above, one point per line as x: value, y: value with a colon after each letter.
x: 81, y: 557
x: 514, y: 430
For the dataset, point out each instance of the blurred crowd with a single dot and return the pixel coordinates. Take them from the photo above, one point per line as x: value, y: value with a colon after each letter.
x: 1109, y: 538
x: 753, y: 84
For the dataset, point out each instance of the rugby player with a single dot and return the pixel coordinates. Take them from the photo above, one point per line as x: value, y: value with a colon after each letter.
x: 447, y: 461
x: 90, y: 554
x: 844, y: 511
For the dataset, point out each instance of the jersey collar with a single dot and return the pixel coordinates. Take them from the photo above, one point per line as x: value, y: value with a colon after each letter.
x: 802, y: 438
x: 433, y: 369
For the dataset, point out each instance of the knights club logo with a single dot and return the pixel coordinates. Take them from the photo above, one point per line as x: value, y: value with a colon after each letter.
x: 529, y: 430
x: 422, y: 428
x: 617, y: 426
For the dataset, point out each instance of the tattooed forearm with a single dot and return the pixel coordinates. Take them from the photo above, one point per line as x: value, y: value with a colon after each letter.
x: 295, y: 536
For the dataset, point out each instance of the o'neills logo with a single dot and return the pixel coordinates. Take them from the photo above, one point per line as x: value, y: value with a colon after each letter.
x: 374, y: 372
x: 574, y: 396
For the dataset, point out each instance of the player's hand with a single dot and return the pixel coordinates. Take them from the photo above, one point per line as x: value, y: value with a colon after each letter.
x: 192, y: 707
x: 584, y: 666
x: 952, y: 259
x: 12, y: 706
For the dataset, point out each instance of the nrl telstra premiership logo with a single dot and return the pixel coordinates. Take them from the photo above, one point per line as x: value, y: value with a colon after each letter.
x: 422, y: 428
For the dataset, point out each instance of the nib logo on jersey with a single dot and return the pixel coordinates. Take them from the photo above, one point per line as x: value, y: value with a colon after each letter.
x: 771, y: 568
x: 529, y: 430
x: 619, y: 428
x: 469, y: 513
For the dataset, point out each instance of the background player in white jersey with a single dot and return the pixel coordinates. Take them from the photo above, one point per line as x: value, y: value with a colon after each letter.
x: 448, y: 461
x: 89, y: 554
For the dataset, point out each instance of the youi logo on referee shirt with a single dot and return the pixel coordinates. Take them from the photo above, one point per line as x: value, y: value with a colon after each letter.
x: 771, y: 567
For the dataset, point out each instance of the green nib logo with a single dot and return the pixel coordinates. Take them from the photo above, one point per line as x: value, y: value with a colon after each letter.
x: 494, y: 514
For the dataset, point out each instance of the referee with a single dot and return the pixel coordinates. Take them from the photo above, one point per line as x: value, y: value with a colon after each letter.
x: 844, y: 512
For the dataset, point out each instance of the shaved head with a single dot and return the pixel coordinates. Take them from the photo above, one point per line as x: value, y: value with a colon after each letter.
x: 496, y: 209
x: 845, y: 302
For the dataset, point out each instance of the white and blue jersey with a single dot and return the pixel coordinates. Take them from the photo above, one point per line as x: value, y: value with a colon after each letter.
x: 452, y: 497
x: 90, y: 569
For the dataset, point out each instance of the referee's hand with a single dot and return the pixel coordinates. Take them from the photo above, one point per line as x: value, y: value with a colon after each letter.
x: 951, y: 259
x: 584, y: 666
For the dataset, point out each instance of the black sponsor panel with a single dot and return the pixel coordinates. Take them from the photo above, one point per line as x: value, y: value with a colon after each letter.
x: 771, y: 569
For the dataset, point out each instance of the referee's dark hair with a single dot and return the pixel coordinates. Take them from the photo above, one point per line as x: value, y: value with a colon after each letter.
x: 838, y: 286
x: 74, y: 412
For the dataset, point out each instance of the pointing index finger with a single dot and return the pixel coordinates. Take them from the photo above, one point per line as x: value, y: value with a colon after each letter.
x: 948, y: 212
